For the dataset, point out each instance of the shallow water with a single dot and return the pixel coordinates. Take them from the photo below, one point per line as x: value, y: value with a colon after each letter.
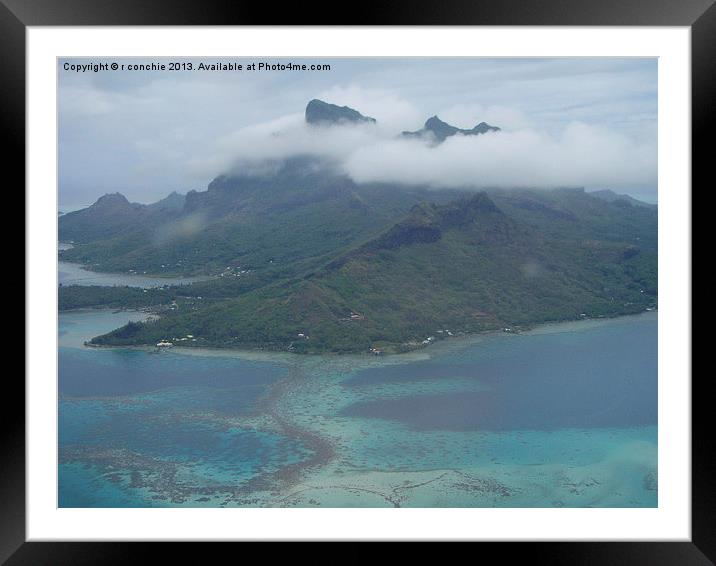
x: 563, y: 416
x: 77, y: 274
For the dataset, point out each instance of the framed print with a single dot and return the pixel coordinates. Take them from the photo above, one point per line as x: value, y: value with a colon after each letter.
x: 425, y: 278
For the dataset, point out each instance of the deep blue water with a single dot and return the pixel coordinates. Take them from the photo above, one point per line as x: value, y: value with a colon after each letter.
x: 602, y: 377
x: 92, y: 373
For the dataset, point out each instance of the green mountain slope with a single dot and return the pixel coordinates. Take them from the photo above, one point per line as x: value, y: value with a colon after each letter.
x: 296, y: 211
x: 442, y: 270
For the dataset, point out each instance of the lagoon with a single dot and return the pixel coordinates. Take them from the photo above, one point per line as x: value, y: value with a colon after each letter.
x: 561, y: 416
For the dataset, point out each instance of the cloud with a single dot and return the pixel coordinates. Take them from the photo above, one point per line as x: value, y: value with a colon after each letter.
x: 583, y: 155
x: 393, y: 113
x: 467, y: 115
x: 146, y: 134
x: 183, y: 228
x: 521, y: 155
x: 285, y: 137
x: 76, y: 102
x: 289, y: 135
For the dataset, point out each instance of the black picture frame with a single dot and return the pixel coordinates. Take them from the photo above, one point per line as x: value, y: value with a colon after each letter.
x: 699, y: 15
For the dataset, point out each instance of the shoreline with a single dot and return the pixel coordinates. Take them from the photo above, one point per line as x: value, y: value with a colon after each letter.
x: 449, y: 343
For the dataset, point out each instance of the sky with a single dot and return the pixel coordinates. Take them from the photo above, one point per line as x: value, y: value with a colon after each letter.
x: 587, y: 122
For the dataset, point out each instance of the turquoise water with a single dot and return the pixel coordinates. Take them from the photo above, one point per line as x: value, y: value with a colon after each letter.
x: 140, y: 428
x: 563, y: 416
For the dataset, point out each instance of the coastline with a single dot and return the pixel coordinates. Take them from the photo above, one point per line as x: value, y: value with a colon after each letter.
x: 451, y: 342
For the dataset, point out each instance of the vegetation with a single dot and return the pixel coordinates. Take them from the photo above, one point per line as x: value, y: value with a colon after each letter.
x: 75, y: 297
x: 508, y: 260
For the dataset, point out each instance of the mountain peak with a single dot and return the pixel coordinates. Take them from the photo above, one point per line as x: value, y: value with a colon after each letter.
x: 323, y: 113
x: 440, y: 131
x: 434, y: 122
x: 484, y: 127
x: 173, y: 201
x: 112, y: 200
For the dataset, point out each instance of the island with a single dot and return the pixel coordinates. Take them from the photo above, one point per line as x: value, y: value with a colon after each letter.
x: 299, y: 257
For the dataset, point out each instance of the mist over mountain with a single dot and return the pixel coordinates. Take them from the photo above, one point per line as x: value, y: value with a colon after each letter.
x: 564, y: 122
x: 611, y: 196
x: 440, y: 155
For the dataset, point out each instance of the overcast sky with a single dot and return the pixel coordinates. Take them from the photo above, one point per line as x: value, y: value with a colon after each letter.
x: 565, y: 122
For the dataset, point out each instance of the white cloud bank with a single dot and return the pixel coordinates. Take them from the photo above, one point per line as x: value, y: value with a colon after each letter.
x: 583, y: 155
x: 572, y: 121
x: 580, y: 155
x: 285, y: 137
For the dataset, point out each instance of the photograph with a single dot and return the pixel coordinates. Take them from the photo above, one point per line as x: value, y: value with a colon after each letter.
x: 342, y: 282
